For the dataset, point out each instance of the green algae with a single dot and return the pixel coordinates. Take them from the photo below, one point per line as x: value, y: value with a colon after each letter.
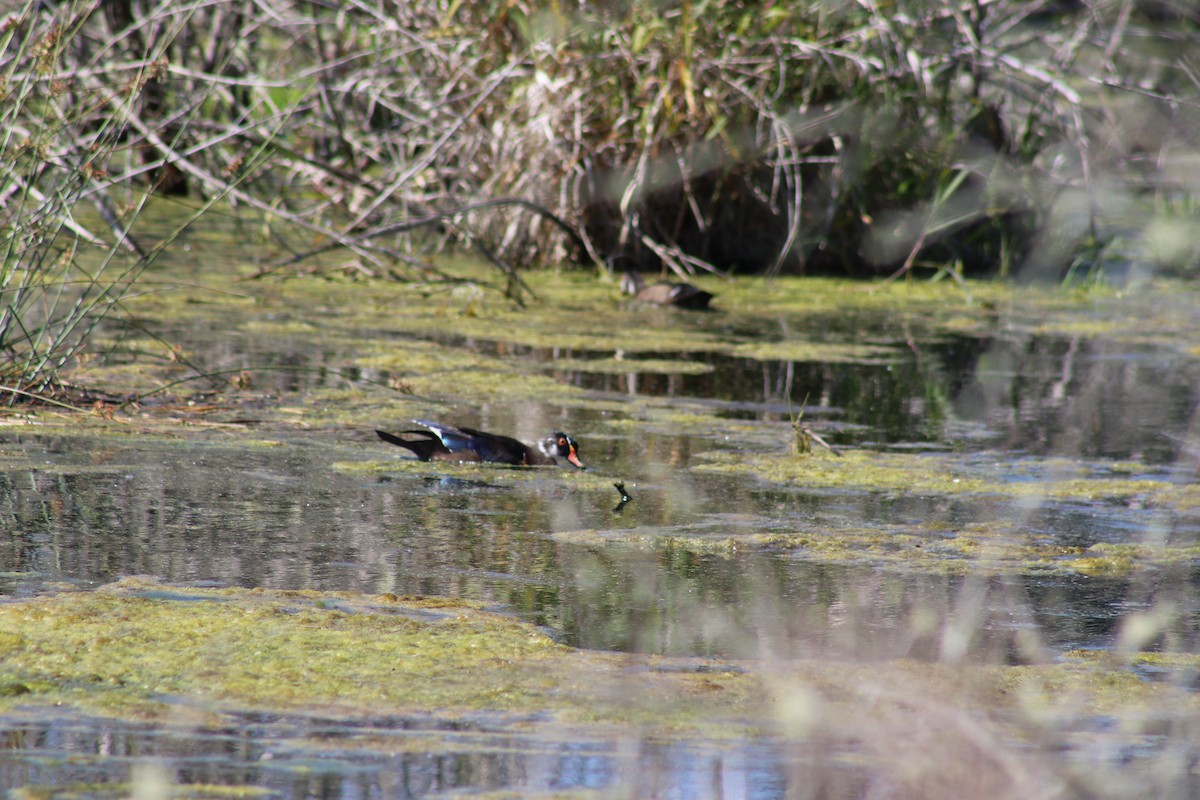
x: 1118, y: 559
x: 416, y: 332
x: 671, y: 416
x: 460, y: 344
x: 880, y: 472
x: 943, y: 474
x: 120, y: 791
x: 1000, y: 544
x: 189, y: 657
x: 136, y: 649
x: 143, y: 650
x: 429, y: 344
x: 431, y: 369
x: 994, y: 548
x: 1184, y: 663
x: 423, y: 337
x: 623, y: 366
x: 825, y: 352
x: 1096, y: 683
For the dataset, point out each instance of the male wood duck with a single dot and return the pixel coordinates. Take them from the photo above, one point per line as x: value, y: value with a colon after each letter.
x: 681, y: 295
x: 449, y: 443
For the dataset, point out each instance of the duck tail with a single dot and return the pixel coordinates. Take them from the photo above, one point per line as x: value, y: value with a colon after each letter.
x: 424, y: 448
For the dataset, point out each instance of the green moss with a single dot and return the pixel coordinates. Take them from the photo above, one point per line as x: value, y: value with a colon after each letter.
x: 432, y: 349
x: 991, y: 546
x: 1188, y: 662
x: 982, y: 547
x: 416, y: 331
x: 463, y: 344
x: 1088, y: 683
x: 1091, y: 489
x: 1101, y: 566
x: 676, y: 420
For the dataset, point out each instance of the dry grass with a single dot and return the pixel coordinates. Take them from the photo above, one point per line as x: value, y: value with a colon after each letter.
x: 962, y: 137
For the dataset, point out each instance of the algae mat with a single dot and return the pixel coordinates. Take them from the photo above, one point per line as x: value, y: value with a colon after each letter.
x: 142, y: 650
x: 138, y: 649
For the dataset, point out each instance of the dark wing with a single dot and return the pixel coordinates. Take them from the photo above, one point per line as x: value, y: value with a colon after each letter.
x: 497, y: 448
x: 685, y: 295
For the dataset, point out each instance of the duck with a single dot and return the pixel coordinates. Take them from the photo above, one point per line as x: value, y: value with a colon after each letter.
x: 452, y: 443
x: 678, y: 294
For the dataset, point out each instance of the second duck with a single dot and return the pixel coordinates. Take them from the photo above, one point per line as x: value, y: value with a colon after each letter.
x: 678, y: 294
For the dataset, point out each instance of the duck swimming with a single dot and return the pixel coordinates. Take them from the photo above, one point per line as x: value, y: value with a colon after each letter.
x: 681, y: 295
x: 450, y: 443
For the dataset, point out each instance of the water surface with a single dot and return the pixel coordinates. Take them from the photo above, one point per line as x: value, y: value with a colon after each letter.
x: 262, y: 491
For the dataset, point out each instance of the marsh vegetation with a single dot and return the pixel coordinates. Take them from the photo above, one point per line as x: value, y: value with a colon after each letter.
x: 1039, y: 139
x: 245, y: 235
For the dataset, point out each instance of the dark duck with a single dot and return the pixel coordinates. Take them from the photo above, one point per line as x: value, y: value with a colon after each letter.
x: 450, y: 443
x: 680, y: 295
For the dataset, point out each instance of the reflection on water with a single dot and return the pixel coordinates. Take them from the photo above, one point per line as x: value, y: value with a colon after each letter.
x: 310, y: 758
x: 96, y: 511
x: 1038, y: 394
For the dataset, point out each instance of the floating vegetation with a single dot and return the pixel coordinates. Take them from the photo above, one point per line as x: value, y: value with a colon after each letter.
x: 863, y: 470
x: 940, y: 474
x: 824, y: 352
x: 623, y: 366
x: 996, y: 548
x: 145, y: 651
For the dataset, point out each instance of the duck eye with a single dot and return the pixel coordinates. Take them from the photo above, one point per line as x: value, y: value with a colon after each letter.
x: 562, y: 442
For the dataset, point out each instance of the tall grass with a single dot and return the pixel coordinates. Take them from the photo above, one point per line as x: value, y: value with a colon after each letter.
x: 1000, y: 137
x: 77, y: 166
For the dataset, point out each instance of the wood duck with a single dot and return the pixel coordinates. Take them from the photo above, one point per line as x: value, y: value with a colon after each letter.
x: 681, y: 295
x: 449, y: 443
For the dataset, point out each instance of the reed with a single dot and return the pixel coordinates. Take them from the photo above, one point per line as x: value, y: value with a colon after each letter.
x: 87, y: 137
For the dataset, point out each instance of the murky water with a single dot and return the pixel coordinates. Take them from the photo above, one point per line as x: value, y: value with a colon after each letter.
x: 203, y: 508
x: 92, y: 512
